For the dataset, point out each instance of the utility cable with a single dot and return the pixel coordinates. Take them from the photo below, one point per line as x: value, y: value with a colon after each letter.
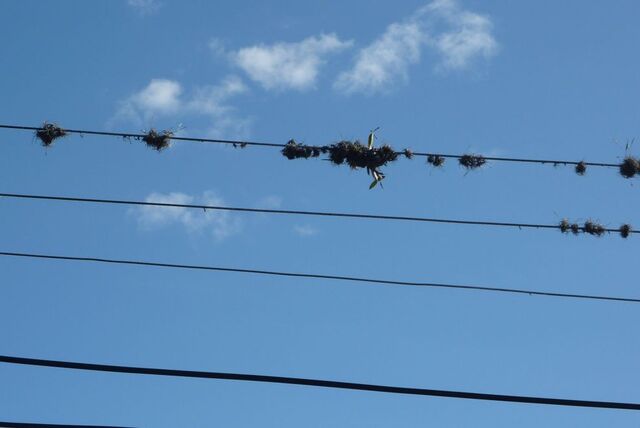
x: 319, y: 383
x: 317, y: 276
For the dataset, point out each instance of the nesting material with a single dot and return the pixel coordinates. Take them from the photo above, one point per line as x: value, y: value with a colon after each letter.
x: 565, y: 226
x: 408, y: 153
x: 593, y: 228
x: 435, y: 160
x: 575, y: 228
x: 49, y: 133
x: 581, y: 168
x: 629, y: 167
x: 294, y: 150
x: 471, y: 161
x: 352, y: 153
x: 625, y: 230
x: 158, y: 140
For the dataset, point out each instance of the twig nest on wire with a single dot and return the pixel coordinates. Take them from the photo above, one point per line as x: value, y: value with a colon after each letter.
x: 575, y: 228
x: 564, y: 226
x: 435, y: 160
x: 294, y: 150
x: 158, y: 140
x: 49, y: 133
x: 471, y: 161
x: 593, y: 228
x: 581, y: 168
x: 357, y: 155
x: 408, y: 153
x: 625, y: 230
x: 629, y: 167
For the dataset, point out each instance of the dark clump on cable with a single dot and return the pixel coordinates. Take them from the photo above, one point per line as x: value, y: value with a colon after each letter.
x: 435, y: 160
x: 471, y: 161
x: 625, y: 230
x: 593, y: 228
x: 629, y: 167
x: 49, y: 133
x: 581, y: 168
x: 295, y: 150
x: 157, y: 140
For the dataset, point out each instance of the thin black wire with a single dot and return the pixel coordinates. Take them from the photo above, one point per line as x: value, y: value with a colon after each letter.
x: 319, y: 383
x: 290, y: 212
x: 255, y: 143
x: 4, y: 424
x: 316, y: 276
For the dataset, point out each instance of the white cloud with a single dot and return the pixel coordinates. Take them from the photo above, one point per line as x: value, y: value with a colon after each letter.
x: 457, y: 35
x: 288, y: 65
x: 160, y: 95
x: 144, y: 6
x: 219, y: 224
x: 385, y: 60
x: 305, y: 230
x: 163, y: 98
x: 213, y: 101
x: 469, y: 38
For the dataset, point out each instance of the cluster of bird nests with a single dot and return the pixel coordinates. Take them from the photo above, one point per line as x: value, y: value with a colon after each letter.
x: 353, y: 153
x: 592, y: 228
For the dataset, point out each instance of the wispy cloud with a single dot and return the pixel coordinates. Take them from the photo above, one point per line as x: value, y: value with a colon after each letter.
x: 385, y: 60
x: 145, y: 7
x: 288, y: 65
x: 163, y: 98
x: 218, y: 224
x: 469, y: 37
x: 304, y: 231
x: 457, y: 35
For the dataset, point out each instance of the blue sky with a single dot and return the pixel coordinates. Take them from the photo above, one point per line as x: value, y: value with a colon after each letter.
x: 523, y: 79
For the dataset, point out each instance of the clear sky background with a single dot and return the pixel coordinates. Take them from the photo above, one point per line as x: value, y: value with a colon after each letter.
x: 506, y: 78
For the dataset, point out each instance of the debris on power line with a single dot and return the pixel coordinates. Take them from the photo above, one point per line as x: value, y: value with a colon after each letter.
x: 353, y: 153
x: 293, y: 150
x: 593, y: 228
x: 581, y: 168
x: 157, y: 140
x: 625, y: 230
x: 435, y: 160
x: 629, y: 167
x: 566, y: 227
x: 408, y: 153
x: 471, y: 161
x: 49, y: 133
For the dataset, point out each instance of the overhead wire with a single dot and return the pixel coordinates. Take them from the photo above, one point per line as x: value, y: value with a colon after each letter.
x: 366, y: 216
x: 319, y: 383
x: 315, y: 276
x: 266, y: 144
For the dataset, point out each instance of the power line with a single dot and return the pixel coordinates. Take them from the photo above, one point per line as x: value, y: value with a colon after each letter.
x: 243, y: 143
x: 293, y: 212
x: 4, y: 424
x: 319, y: 383
x: 316, y: 276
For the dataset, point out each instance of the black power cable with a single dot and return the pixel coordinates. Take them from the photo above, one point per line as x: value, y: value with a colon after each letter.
x: 255, y: 143
x: 319, y: 383
x: 316, y: 276
x: 294, y: 212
